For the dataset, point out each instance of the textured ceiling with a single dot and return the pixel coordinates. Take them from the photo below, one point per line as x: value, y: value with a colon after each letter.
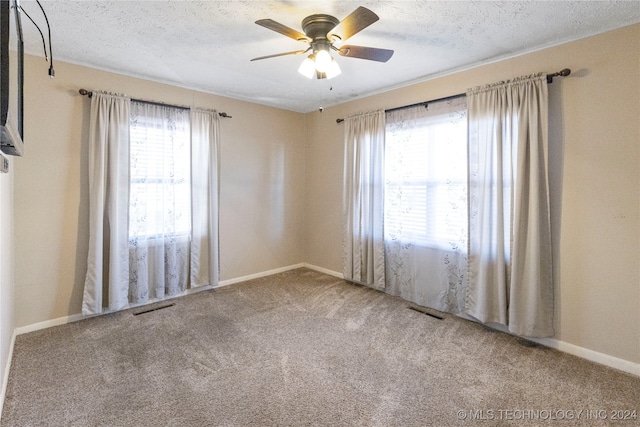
x: 207, y: 45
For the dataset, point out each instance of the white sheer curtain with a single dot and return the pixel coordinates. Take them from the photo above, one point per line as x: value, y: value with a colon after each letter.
x: 108, y: 258
x: 363, y: 199
x: 426, y: 204
x: 510, y: 276
x: 160, y: 202
x: 154, y: 189
x: 205, y: 189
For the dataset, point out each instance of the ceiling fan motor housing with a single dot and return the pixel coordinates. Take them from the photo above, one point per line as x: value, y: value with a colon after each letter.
x: 317, y: 28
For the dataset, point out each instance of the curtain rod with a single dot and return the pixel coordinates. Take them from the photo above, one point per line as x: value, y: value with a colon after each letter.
x: 562, y: 73
x: 89, y: 94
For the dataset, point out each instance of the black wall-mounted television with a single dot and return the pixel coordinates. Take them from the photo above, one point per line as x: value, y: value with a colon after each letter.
x: 11, y: 82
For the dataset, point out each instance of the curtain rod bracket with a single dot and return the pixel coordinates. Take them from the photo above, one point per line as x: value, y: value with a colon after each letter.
x: 562, y: 73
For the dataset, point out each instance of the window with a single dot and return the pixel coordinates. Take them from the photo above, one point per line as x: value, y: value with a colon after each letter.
x: 160, y: 185
x: 426, y: 175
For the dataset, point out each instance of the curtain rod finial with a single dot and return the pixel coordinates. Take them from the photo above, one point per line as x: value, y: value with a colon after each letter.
x: 562, y: 73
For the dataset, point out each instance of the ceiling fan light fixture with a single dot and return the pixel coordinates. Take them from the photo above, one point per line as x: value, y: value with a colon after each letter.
x: 308, y: 67
x: 323, y: 61
x: 333, y: 70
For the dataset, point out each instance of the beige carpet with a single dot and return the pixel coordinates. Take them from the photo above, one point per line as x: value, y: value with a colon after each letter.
x: 299, y: 349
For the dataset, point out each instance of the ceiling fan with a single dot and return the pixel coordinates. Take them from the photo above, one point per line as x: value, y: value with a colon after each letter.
x: 325, y: 33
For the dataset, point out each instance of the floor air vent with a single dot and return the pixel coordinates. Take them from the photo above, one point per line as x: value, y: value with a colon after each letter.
x: 154, y: 309
x: 425, y: 312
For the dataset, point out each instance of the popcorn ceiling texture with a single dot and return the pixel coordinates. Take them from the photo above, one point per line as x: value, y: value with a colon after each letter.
x: 207, y: 45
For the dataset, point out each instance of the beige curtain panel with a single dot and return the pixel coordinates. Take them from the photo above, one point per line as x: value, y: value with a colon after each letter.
x: 363, y: 199
x: 205, y: 195
x: 510, y: 263
x: 108, y: 258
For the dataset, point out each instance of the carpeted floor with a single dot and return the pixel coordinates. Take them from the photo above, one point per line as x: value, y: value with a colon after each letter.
x: 297, y: 349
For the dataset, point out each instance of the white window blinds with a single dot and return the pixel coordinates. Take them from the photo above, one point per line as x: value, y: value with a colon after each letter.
x: 160, y: 186
x: 426, y: 174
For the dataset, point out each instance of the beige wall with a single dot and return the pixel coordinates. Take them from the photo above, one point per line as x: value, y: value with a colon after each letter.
x: 7, y: 308
x: 6, y: 270
x: 262, y: 179
x: 594, y: 166
x: 281, y: 183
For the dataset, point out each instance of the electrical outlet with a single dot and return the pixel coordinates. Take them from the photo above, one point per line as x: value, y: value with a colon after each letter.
x: 4, y: 164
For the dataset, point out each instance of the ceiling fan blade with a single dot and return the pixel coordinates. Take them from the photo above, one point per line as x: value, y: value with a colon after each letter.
x: 362, y: 52
x: 283, y: 29
x: 357, y: 21
x: 293, y: 52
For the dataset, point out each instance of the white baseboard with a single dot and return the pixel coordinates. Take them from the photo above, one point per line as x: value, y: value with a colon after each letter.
x: 585, y: 353
x: 5, y: 378
x: 592, y: 355
x: 75, y: 317
x: 575, y: 350
x: 50, y: 323
x: 324, y: 270
x: 565, y: 347
x: 259, y: 275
